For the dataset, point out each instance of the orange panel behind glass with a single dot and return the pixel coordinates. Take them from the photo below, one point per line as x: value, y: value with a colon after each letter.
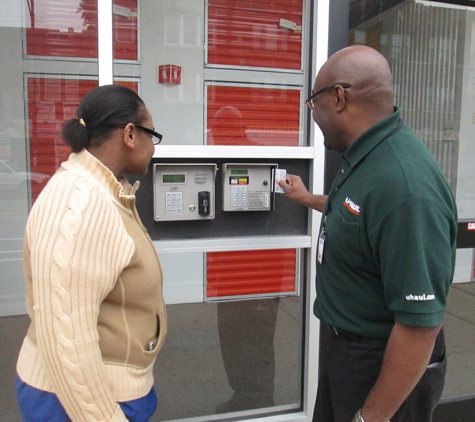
x: 51, y: 102
x: 238, y: 115
x: 68, y: 28
x: 247, y: 33
x: 250, y: 272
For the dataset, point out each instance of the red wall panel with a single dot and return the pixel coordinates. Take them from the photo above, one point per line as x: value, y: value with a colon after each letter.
x: 51, y: 102
x: 69, y: 29
x: 252, y: 116
x: 247, y: 33
x: 250, y: 272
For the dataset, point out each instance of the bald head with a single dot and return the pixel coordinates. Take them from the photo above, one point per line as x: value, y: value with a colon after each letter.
x: 345, y: 113
x: 368, y: 73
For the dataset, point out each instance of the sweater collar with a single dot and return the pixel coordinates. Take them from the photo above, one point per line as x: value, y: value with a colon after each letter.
x: 90, y: 167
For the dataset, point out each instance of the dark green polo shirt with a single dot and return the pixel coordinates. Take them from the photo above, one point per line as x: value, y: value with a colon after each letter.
x: 390, y: 236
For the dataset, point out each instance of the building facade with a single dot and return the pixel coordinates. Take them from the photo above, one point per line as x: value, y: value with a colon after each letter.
x: 226, y: 82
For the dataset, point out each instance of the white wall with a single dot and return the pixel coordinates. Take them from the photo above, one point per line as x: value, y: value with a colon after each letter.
x: 172, y: 33
x: 10, y: 13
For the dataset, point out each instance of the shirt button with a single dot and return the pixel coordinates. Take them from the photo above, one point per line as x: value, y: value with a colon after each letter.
x: 343, y: 171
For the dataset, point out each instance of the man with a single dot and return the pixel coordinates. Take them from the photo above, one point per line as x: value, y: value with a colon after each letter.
x: 386, y: 250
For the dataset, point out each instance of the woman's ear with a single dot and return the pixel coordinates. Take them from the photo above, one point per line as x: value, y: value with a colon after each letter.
x: 129, y: 136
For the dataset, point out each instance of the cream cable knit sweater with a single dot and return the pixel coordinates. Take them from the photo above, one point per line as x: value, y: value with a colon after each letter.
x: 94, y: 293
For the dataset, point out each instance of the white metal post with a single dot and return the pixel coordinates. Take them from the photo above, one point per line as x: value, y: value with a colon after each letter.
x: 105, y: 42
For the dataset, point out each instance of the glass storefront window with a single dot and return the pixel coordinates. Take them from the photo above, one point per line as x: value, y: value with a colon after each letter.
x: 225, y: 74
x: 236, y: 336
x: 51, y: 102
x: 242, y: 115
x: 208, y: 375
x: 244, y: 55
x: 69, y: 29
x: 251, y: 273
x: 255, y: 34
x: 237, y: 329
x: 38, y: 94
x: 431, y: 49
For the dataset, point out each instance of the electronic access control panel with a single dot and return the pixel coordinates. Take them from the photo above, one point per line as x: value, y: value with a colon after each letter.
x: 248, y: 186
x: 184, y: 191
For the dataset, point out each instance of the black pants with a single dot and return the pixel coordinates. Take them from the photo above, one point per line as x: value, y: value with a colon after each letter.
x: 349, y: 368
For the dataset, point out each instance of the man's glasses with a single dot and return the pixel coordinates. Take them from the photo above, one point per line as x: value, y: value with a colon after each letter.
x: 156, y: 137
x: 310, y: 100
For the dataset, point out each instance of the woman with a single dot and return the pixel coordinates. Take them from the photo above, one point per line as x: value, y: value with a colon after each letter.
x: 94, y: 281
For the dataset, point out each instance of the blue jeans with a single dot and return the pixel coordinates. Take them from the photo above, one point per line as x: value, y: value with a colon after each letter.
x: 42, y: 406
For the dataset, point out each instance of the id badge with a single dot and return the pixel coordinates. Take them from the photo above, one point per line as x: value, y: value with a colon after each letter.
x: 321, y: 245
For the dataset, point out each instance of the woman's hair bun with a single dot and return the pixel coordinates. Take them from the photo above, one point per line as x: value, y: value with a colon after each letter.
x: 75, y: 135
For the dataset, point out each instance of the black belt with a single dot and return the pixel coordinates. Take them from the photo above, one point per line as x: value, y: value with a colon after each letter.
x: 351, y: 336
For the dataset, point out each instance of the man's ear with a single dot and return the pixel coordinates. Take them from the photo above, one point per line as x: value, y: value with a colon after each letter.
x: 339, y: 98
x: 128, y: 136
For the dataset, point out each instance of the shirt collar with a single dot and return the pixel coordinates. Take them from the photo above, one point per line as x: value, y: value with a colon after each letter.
x: 371, y: 139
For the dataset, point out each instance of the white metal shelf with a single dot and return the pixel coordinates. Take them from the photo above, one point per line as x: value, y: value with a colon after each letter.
x: 232, y: 244
x: 219, y: 151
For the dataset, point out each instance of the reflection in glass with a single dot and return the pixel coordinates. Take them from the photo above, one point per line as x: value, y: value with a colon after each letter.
x: 247, y: 327
x: 12, y: 181
x: 431, y: 49
x: 51, y: 102
x: 69, y: 29
x: 254, y: 34
x: 246, y: 334
x: 239, y: 115
x: 211, y: 354
x: 425, y: 49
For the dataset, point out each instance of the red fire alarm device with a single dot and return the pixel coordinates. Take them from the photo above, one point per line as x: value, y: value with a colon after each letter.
x: 169, y: 73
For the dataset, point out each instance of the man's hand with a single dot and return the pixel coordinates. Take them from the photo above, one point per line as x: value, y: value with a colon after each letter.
x: 296, y: 191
